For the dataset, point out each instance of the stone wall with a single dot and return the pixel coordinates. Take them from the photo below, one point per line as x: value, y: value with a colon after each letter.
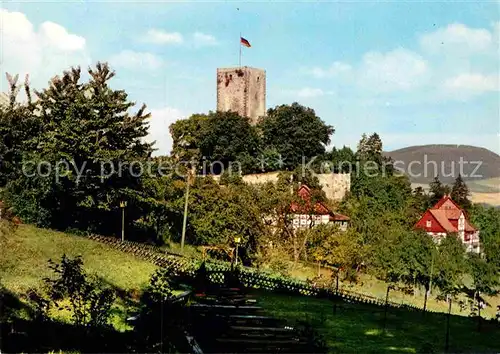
x: 242, y: 90
x: 335, y: 185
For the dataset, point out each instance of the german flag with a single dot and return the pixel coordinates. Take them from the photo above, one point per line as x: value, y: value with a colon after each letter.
x: 244, y: 42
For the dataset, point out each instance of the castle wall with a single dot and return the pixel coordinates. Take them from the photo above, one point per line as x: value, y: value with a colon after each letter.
x: 335, y: 185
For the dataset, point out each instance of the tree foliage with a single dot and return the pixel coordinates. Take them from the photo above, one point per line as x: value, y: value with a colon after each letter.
x: 460, y: 193
x: 86, y: 144
x: 296, y: 132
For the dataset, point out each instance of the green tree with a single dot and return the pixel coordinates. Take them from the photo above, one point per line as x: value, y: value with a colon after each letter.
x: 450, y: 265
x: 296, y: 132
x: 487, y: 219
x: 88, y: 134
x: 437, y: 190
x: 230, y: 139
x: 187, y: 135
x: 485, y: 275
x: 370, y: 149
x: 217, y: 214
x: 216, y: 141
x: 341, y: 249
x: 460, y: 193
x: 17, y: 126
x: 340, y: 160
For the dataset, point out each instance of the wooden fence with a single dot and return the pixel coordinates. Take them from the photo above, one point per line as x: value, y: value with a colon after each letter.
x: 249, y: 277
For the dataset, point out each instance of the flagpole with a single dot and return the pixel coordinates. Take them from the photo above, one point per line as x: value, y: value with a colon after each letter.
x: 239, y: 42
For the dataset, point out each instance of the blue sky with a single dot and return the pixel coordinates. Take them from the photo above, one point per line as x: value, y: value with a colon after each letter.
x: 415, y: 72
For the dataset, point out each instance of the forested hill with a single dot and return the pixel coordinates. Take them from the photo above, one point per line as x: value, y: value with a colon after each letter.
x: 445, y: 157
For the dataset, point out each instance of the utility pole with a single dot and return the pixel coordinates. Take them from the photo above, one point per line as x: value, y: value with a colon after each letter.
x: 184, y: 222
x: 237, y: 240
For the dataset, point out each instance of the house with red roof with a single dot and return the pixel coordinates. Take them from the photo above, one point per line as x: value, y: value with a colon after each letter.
x: 445, y: 218
x: 307, y: 214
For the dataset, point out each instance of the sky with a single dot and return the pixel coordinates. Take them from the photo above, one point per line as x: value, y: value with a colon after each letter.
x: 415, y: 72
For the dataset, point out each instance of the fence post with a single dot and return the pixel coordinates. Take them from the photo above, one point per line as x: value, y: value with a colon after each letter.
x: 447, y: 343
x: 386, y: 305
x: 336, y: 298
x: 479, y: 311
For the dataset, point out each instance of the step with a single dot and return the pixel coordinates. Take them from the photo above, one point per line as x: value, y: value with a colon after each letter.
x: 259, y: 341
x: 229, y: 307
x: 244, y: 335
x: 263, y: 329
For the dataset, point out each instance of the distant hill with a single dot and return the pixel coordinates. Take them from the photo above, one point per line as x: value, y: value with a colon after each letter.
x: 422, y: 163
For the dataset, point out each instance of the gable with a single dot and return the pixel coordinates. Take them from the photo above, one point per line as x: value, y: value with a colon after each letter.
x: 434, y: 226
x: 446, y: 203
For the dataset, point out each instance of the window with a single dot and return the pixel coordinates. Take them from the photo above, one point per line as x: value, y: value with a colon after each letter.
x: 428, y: 223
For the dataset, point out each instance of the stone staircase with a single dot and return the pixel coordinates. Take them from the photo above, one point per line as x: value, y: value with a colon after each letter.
x: 227, y: 320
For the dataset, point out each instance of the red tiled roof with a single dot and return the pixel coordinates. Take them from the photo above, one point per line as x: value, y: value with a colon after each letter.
x: 320, y: 208
x: 451, y: 213
x: 447, y: 217
x: 339, y: 217
x: 443, y: 200
x: 440, y: 216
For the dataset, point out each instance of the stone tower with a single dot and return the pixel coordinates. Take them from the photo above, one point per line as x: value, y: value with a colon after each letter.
x: 242, y: 90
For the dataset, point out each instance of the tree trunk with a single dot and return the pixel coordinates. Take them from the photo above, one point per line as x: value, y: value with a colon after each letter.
x: 447, y: 343
x: 386, y: 305
x: 426, y: 295
x: 478, y: 312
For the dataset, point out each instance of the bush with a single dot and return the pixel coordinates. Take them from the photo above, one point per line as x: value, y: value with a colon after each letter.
x: 88, y: 302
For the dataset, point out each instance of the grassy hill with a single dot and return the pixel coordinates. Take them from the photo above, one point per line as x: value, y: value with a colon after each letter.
x: 447, y: 159
x: 23, y: 260
x: 354, y: 328
x: 24, y: 256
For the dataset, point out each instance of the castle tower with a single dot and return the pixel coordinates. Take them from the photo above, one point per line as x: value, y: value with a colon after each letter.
x: 242, y: 90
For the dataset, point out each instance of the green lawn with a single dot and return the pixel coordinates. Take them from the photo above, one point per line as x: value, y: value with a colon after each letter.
x: 24, y: 256
x: 373, y: 287
x: 359, y: 328
x: 23, y: 265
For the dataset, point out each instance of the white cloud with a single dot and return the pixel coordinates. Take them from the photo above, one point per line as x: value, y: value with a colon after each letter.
x: 472, y: 83
x: 161, y: 37
x: 337, y: 68
x: 159, y: 124
x: 456, y: 37
x: 199, y: 39
x: 396, y: 70
x: 203, y: 39
x: 57, y: 36
x: 129, y: 59
x: 312, y: 92
x: 399, y: 69
x: 307, y: 92
x: 42, y: 53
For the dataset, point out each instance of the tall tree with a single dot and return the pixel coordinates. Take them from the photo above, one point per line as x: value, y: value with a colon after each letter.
x: 436, y: 191
x: 450, y: 265
x: 370, y: 148
x: 460, y: 193
x: 86, y: 130
x: 17, y: 126
x: 228, y: 139
x: 216, y: 141
x: 187, y: 135
x: 487, y: 219
x: 296, y: 132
